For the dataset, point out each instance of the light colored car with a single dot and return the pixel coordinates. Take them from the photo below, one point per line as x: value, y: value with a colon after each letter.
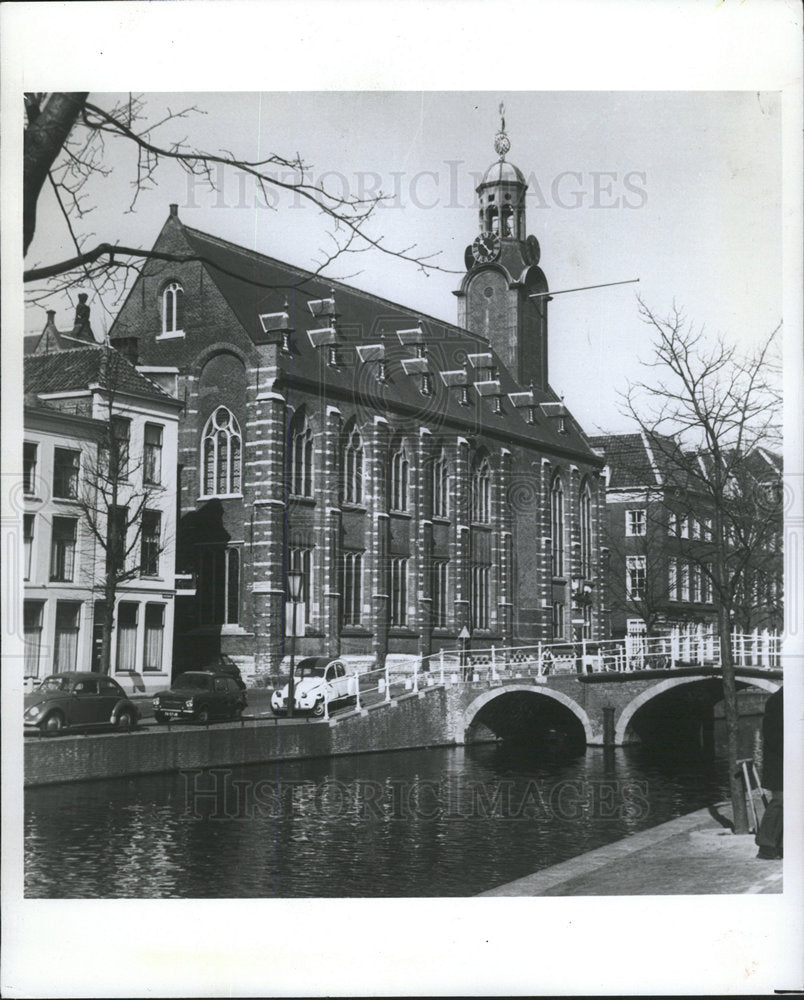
x: 316, y: 678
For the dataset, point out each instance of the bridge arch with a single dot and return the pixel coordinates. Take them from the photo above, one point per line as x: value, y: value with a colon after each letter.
x: 474, y: 707
x: 646, y: 696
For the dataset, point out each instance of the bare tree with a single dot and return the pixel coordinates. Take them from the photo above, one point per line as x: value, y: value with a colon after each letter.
x: 116, y: 503
x: 709, y: 411
x: 65, y: 146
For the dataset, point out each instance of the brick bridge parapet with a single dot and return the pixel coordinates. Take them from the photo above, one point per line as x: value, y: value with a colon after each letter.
x: 603, y: 704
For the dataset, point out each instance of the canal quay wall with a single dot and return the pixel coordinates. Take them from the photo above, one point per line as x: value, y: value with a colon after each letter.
x: 408, y: 722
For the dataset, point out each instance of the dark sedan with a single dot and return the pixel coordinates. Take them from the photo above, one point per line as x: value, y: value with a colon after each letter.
x: 199, y: 696
x: 75, y: 700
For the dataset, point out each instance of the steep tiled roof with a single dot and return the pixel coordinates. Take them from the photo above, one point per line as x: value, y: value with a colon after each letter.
x: 628, y: 459
x: 642, y: 460
x: 254, y: 284
x: 78, y: 369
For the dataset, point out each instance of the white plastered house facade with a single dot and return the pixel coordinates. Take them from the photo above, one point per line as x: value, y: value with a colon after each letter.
x: 63, y: 563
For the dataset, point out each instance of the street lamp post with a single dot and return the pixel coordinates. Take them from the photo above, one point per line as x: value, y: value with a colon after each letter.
x: 582, y: 598
x: 294, y: 579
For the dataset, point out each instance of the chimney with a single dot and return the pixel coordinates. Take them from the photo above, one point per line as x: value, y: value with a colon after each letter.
x: 81, y: 327
x: 174, y: 210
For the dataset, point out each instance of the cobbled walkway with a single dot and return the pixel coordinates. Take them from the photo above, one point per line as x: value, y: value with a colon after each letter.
x: 693, y: 854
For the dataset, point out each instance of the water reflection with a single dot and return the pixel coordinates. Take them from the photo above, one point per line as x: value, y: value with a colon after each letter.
x: 438, y: 822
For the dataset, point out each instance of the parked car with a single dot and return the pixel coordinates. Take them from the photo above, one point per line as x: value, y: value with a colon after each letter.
x: 79, y: 699
x: 200, y: 696
x: 223, y: 664
x: 315, y: 678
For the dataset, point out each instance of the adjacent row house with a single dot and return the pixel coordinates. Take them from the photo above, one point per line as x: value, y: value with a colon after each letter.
x: 657, y: 539
x: 73, y: 389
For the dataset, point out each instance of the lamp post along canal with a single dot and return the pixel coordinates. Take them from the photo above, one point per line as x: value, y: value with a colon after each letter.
x: 295, y: 581
x: 582, y: 599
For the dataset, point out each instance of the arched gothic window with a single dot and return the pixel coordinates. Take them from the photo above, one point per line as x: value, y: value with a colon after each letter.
x: 557, y: 525
x: 481, y: 490
x: 221, y: 449
x: 301, y: 456
x: 440, y: 485
x: 585, y: 523
x: 400, y: 478
x: 352, y: 465
x: 172, y: 309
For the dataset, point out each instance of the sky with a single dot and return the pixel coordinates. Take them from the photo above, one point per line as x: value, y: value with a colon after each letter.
x: 681, y: 190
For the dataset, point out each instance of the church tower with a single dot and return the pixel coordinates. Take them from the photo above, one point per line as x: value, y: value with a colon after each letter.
x: 494, y: 299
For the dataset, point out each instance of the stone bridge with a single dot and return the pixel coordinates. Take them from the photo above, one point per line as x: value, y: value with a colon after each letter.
x: 603, y: 709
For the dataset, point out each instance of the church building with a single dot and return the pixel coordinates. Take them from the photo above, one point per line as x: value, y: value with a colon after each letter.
x: 423, y: 476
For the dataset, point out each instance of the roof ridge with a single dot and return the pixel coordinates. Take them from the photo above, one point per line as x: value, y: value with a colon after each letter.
x: 335, y: 282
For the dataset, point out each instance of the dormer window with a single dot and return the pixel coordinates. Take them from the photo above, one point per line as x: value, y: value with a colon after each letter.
x: 173, y: 310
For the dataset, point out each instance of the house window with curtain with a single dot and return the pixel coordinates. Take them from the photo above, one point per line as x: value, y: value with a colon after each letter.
x: 352, y: 587
x: 672, y: 581
x: 62, y: 551
x: 481, y: 491
x: 152, y: 455
x: 173, y: 310
x: 65, y: 646
x: 352, y: 466
x: 301, y: 457
x: 29, y: 455
x: 154, y: 637
x: 65, y: 473
x: 27, y: 543
x: 400, y: 472
x: 440, y: 485
x: 635, y: 521
x: 32, y: 635
x: 126, y: 636
x: 685, y: 581
x: 557, y: 526
x: 150, y: 542
x: 399, y: 592
x: 635, y: 577
x: 221, y: 450
x: 120, y: 440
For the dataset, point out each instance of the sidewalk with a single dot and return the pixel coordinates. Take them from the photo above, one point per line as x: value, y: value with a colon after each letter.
x: 693, y: 854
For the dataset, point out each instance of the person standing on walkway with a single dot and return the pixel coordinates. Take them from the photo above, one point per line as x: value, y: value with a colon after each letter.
x: 769, y: 835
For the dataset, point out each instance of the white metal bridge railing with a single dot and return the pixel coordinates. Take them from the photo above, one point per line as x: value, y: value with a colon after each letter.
x: 759, y: 649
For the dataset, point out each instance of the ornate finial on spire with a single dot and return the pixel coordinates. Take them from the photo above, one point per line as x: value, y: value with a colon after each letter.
x: 501, y: 141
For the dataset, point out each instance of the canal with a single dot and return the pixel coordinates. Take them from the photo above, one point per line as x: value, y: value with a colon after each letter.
x: 430, y: 822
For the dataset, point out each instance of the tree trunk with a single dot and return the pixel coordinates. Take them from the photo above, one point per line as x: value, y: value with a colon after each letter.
x: 110, y: 592
x: 731, y: 717
x: 44, y: 138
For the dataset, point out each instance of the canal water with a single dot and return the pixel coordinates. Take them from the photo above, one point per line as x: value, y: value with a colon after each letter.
x: 430, y: 822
